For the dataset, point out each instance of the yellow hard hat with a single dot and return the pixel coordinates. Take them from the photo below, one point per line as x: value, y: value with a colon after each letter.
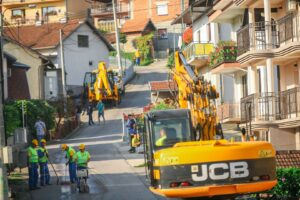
x: 64, y: 146
x: 43, y: 141
x: 35, y: 142
x: 81, y: 147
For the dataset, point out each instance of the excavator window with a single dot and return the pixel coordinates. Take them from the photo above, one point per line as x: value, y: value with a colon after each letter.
x: 89, y: 79
x: 168, y: 132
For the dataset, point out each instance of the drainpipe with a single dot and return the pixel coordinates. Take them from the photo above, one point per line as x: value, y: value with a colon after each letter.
x: 39, y: 79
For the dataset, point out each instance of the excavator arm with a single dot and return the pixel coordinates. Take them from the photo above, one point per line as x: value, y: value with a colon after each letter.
x: 102, y: 86
x: 197, y: 95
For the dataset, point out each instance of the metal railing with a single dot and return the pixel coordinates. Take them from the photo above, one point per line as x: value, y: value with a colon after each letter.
x: 271, y: 106
x: 268, y: 35
x: 198, y: 50
x: 25, y: 1
x: 228, y: 111
x: 227, y: 54
x: 255, y: 37
x: 108, y: 9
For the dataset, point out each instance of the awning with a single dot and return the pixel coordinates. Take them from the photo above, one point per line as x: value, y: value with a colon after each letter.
x: 20, y: 65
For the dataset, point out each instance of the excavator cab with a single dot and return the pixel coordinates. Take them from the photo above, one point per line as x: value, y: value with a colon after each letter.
x: 179, y: 166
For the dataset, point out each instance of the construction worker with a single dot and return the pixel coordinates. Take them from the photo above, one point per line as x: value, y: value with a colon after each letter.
x: 71, y: 157
x: 163, y: 136
x: 43, y: 161
x: 137, y: 57
x: 82, y: 157
x: 33, y: 160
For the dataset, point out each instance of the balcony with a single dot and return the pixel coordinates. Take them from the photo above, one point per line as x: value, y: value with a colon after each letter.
x: 107, y: 26
x: 254, y: 38
x: 282, y: 108
x: 197, y: 53
x: 13, y: 3
x: 223, y: 58
x: 229, y: 113
x: 107, y: 9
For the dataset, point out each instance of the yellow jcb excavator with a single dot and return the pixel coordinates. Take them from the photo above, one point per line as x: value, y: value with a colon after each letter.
x: 189, y: 161
x: 100, y: 85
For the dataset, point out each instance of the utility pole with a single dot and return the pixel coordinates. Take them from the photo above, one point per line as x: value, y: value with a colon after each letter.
x: 117, y: 42
x: 182, y: 26
x: 3, y: 176
x: 63, y: 72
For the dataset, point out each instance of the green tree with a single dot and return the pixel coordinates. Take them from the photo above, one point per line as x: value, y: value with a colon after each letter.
x: 123, y: 38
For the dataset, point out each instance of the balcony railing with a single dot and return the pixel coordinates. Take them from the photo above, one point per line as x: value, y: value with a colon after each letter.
x: 228, y: 111
x: 254, y: 37
x: 198, y: 51
x: 108, y: 26
x: 24, y: 1
x: 268, y: 35
x: 108, y: 9
x: 271, y: 106
x: 226, y: 54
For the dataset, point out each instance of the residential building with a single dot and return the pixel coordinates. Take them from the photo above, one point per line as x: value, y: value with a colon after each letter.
x: 267, y: 70
x: 102, y: 14
x: 83, y: 47
x: 31, y: 65
x: 15, y: 83
x: 133, y: 18
x: 204, y: 38
x: 28, y: 12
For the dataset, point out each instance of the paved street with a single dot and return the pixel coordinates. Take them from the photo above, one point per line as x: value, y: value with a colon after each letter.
x: 114, y: 173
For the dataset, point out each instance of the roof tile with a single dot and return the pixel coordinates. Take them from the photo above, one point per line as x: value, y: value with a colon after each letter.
x: 163, y: 86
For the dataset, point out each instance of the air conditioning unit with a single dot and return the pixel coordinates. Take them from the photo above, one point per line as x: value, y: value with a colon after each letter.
x: 291, y: 5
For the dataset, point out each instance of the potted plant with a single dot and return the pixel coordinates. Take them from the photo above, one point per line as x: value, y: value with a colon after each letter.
x: 225, y: 52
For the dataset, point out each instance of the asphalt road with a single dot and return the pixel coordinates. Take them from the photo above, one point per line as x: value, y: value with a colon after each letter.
x: 114, y: 173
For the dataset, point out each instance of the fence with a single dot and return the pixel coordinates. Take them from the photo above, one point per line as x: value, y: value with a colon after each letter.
x: 271, y: 106
x: 128, y: 68
x: 254, y: 36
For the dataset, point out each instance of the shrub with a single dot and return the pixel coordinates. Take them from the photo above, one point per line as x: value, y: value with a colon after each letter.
x: 32, y: 109
x: 146, y: 62
x: 171, y: 61
x: 144, y: 45
x: 162, y: 106
x: 288, y: 186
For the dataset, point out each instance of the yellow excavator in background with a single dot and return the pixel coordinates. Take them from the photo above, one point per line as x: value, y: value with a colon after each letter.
x: 100, y: 85
x: 184, y: 157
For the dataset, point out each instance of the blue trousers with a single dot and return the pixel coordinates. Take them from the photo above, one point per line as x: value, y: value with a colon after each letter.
x: 44, y: 174
x: 39, y: 138
x: 72, y: 172
x: 33, y: 175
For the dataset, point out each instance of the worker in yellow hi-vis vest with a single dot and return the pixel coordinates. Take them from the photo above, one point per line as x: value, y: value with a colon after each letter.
x: 33, y: 165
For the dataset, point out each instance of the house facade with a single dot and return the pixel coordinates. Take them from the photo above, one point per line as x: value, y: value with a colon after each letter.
x: 28, y: 12
x: 83, y: 47
x: 133, y: 16
x: 34, y: 65
x: 267, y: 70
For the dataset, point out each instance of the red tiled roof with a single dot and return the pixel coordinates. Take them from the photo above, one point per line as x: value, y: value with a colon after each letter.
x: 136, y: 25
x: 286, y: 159
x: 46, y: 35
x: 163, y: 86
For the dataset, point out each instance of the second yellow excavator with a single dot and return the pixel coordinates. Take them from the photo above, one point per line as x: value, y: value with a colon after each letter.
x: 184, y: 157
x: 101, y: 85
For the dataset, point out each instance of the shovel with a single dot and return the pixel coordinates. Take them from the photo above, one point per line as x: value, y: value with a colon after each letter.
x: 57, y: 179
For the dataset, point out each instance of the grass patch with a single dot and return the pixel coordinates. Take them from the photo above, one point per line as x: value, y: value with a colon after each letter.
x: 141, y: 165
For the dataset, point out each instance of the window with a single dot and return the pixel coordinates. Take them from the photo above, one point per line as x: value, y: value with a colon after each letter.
x: 17, y: 14
x: 162, y: 9
x: 171, y: 131
x: 162, y: 33
x: 83, y: 41
x: 49, y: 11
